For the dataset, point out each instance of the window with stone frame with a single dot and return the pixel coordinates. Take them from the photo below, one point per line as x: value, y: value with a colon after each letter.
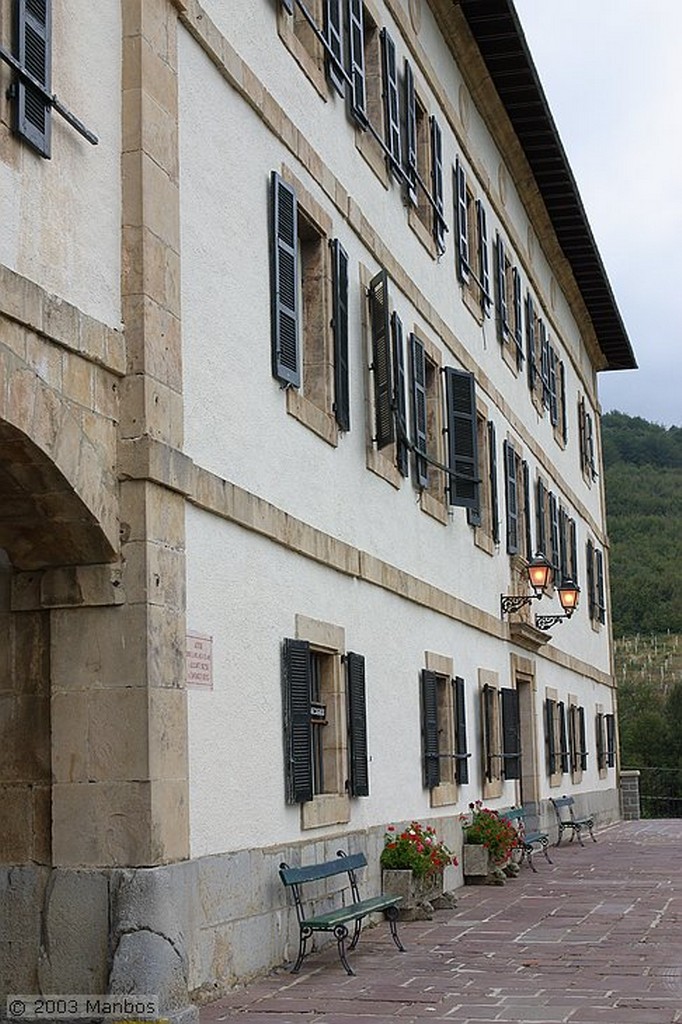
x: 509, y: 306
x: 596, y: 588
x: 423, y: 166
x: 445, y: 755
x: 314, y: 33
x: 605, y: 734
x: 518, y: 502
x: 484, y: 516
x: 325, y: 723
x: 556, y: 738
x: 473, y: 270
x: 427, y: 423
x: 309, y: 287
x: 586, y: 439
x: 31, y: 113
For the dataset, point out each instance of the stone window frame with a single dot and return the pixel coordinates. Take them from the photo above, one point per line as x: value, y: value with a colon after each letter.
x: 491, y: 736
x: 365, y: 142
x: 300, y: 40
x: 555, y: 777
x: 483, y: 531
x: 446, y: 793
x: 433, y: 499
x: 381, y: 461
x: 573, y: 725
x: 421, y: 217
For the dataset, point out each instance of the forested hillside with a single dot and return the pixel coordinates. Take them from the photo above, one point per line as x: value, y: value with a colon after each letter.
x: 643, y: 465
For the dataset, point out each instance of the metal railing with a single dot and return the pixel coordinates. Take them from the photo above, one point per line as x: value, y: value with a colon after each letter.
x: 660, y: 792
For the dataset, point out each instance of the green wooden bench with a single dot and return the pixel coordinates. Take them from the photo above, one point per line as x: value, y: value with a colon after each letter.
x: 567, y: 821
x: 336, y: 920
x: 527, y: 839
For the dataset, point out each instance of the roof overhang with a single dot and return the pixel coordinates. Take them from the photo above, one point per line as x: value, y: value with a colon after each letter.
x: 497, y: 32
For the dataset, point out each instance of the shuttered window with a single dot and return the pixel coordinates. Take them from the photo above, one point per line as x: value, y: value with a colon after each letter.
x: 333, y: 30
x: 550, y: 736
x: 410, y: 103
x: 399, y: 400
x: 554, y: 554
x: 563, y: 417
x: 490, y: 716
x: 553, y: 388
x: 600, y: 596
x: 518, y: 317
x: 589, y: 565
x: 462, y: 222
x: 462, y: 437
x: 504, y: 329
x: 541, y: 518
x: 492, y: 469
x: 419, y: 425
x: 531, y: 342
x: 577, y: 739
x: 444, y: 732
x: 357, y: 725
x: 340, y: 334
x: 462, y: 752
x: 297, y: 729
x: 33, y: 52
x: 483, y: 260
x: 563, y: 738
x: 381, y: 360
x: 601, y: 741
x: 610, y: 722
x: 512, y: 498
x: 356, y: 46
x: 511, y: 734
x: 391, y: 104
x: 430, y: 743
x: 437, y: 185
x: 527, y: 511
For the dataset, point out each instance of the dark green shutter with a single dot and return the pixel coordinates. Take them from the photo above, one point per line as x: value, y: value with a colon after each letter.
x: 410, y: 136
x: 511, y: 496
x: 573, y: 737
x: 501, y: 278
x: 601, y: 752
x: 553, y: 396
x: 563, y: 741
x: 511, y: 734
x: 583, y: 739
x: 33, y: 51
x: 540, y: 527
x: 554, y: 556
x: 381, y: 359
x: 464, y: 480
x: 518, y: 318
x: 573, y: 547
x: 431, y: 751
x: 488, y: 696
x: 530, y: 342
x: 494, y: 500
x: 418, y: 389
x: 581, y: 434
x: 564, y: 571
x: 527, y: 510
x: 357, y: 725
x: 544, y: 362
x: 563, y: 418
x: 463, y: 265
x: 340, y: 334
x: 437, y: 185
x: 462, y: 761
x: 589, y: 445
x: 549, y: 731
x: 610, y: 740
x: 356, y: 46
x: 589, y: 561
x: 391, y: 102
x: 483, y: 262
x: 399, y: 400
x: 296, y: 677
x: 333, y: 30
x: 600, y: 599
x: 284, y: 283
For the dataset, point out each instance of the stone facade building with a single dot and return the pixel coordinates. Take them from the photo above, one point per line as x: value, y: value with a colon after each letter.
x: 300, y: 326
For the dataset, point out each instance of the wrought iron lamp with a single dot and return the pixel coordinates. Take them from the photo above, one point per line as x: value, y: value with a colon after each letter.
x: 538, y: 576
x: 569, y: 593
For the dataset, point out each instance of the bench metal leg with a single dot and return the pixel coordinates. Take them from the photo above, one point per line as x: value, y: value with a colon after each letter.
x: 392, y: 915
x: 545, y: 849
x: 356, y: 933
x: 528, y: 854
x: 590, y: 826
x: 304, y: 935
x: 341, y: 933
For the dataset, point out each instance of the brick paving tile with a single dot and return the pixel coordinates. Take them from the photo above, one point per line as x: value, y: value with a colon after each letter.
x: 592, y: 939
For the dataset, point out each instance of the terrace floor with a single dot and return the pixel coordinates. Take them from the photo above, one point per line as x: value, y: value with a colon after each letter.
x: 596, y: 938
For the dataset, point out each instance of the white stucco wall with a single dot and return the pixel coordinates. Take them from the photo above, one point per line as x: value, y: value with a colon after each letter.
x: 61, y: 218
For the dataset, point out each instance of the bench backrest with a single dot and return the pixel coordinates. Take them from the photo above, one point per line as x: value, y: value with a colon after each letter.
x: 560, y: 802
x: 326, y: 869
x: 515, y: 814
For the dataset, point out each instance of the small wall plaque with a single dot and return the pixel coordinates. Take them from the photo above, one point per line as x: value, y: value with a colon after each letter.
x: 199, y: 662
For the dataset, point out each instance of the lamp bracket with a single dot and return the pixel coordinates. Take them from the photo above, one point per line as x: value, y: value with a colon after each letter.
x: 514, y: 602
x: 547, y: 621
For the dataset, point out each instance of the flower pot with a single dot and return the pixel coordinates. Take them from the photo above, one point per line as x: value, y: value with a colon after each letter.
x: 475, y: 864
x: 418, y: 893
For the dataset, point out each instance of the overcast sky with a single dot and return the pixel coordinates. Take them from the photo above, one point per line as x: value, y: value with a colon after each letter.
x: 612, y: 73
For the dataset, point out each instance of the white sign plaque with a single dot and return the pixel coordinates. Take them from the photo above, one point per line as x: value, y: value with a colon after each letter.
x: 199, y: 662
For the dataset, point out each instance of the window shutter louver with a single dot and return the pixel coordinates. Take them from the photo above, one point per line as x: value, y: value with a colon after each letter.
x: 33, y: 120
x: 553, y: 397
x: 589, y: 445
x: 391, y: 102
x: 544, y: 362
x: 437, y: 185
x: 563, y: 740
x: 298, y: 740
x: 573, y: 548
x: 284, y: 268
x: 462, y: 223
x: 527, y: 513
x: 483, y: 263
x: 494, y: 500
x: 462, y: 762
x: 418, y: 387
x: 333, y: 30
x: 410, y: 135
x: 599, y: 586
x: 511, y: 734
x: 462, y: 437
x: 530, y: 342
x: 518, y: 318
x: 501, y: 277
x: 562, y: 402
x: 340, y: 334
x: 357, y: 725
x: 399, y: 400
x: 549, y: 730
x: 610, y: 741
x: 573, y: 737
x: 583, y: 739
x: 381, y: 359
x: 488, y: 697
x: 429, y: 703
x: 589, y: 561
x: 554, y: 537
x: 601, y: 752
x: 581, y: 434
x: 512, y: 499
x: 356, y: 45
x: 540, y: 529
x: 564, y: 571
